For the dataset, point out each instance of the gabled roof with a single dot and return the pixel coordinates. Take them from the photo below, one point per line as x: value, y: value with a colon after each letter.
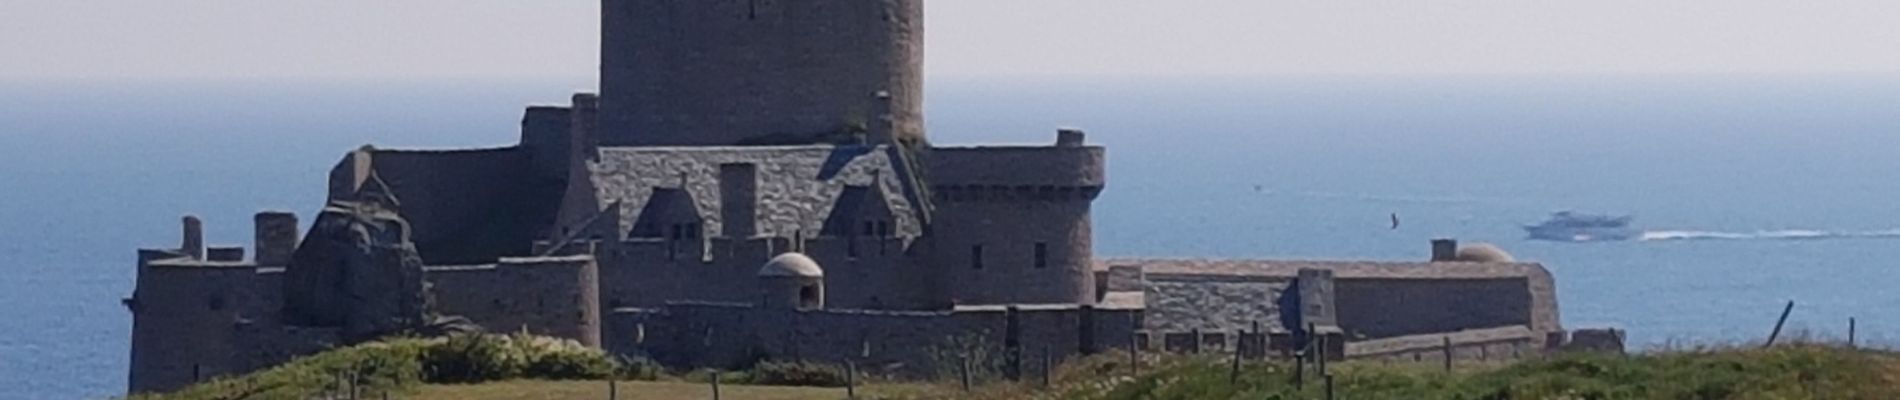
x: 854, y: 204
x: 797, y: 188
x: 664, y: 206
x: 465, y: 206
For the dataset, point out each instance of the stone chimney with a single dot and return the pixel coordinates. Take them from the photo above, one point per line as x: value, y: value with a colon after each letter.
x: 1070, y: 137
x: 1444, y: 250
x: 276, y: 238
x: 194, y: 243
x: 585, y: 108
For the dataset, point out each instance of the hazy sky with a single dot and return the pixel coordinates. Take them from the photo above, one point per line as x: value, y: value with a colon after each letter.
x: 401, y: 39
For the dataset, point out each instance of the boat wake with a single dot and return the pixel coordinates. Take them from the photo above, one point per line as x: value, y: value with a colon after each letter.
x: 1788, y: 234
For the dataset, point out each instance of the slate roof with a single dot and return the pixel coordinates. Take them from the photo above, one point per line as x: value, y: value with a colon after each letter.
x: 797, y: 185
x: 469, y: 206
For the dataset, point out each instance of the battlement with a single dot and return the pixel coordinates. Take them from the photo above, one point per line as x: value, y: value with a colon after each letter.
x: 275, y: 237
x: 1069, y: 163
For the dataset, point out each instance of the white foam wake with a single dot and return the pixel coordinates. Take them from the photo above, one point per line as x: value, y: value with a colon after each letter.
x: 1786, y: 234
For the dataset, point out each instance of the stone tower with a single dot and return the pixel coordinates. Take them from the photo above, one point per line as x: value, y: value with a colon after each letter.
x: 760, y: 72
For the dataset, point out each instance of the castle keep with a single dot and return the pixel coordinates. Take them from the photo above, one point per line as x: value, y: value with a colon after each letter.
x: 753, y: 180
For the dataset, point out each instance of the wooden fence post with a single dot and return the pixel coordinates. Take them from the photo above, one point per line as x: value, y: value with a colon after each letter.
x: 1850, y: 332
x: 613, y: 389
x: 715, y: 384
x: 1447, y: 350
x: 1233, y: 375
x: 1299, y: 370
x: 1329, y: 386
x: 1779, y: 323
x: 1259, y: 342
x: 850, y: 379
x: 1048, y: 365
x: 1134, y: 354
x: 1324, y: 353
x: 963, y: 366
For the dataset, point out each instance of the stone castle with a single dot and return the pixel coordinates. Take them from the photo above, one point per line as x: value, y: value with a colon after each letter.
x: 753, y: 181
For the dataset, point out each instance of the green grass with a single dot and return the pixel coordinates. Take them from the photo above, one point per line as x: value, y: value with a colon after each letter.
x: 1786, y: 372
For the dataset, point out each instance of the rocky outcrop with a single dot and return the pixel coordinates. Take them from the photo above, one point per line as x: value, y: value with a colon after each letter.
x: 357, y: 270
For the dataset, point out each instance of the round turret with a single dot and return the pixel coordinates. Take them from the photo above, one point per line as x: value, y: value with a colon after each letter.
x: 792, y: 281
x: 1484, y: 253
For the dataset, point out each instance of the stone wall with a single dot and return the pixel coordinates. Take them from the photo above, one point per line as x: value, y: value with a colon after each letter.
x: 1494, y: 344
x: 1213, y: 303
x: 1379, y: 308
x: 195, y: 320
x: 188, y: 317
x: 556, y: 297
x: 896, y: 343
x: 1372, y: 300
x: 722, y: 72
x: 648, y: 273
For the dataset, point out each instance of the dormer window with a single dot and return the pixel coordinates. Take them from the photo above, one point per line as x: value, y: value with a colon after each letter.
x: 668, y: 214
x: 860, y: 211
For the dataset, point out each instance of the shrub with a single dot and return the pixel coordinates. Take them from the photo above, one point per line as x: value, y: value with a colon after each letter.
x: 798, y: 374
x: 639, y: 369
x: 470, y: 358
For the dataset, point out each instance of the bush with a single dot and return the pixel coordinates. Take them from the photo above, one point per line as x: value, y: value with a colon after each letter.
x: 471, y: 358
x: 557, y: 359
x: 639, y: 369
x: 798, y: 374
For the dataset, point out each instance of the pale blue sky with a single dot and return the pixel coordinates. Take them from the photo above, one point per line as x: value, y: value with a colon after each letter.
x: 404, y: 39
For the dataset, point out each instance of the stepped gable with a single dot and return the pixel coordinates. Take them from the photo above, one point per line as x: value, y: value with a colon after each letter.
x: 798, y: 186
x: 465, y: 206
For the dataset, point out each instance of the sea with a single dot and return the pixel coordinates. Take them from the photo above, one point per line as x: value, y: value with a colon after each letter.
x: 1752, y: 191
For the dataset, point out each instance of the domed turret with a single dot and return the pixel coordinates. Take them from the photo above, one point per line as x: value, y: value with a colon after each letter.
x: 792, y: 281
x: 1484, y: 253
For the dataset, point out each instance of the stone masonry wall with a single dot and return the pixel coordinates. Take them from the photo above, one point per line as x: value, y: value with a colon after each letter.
x: 1379, y: 308
x: 1213, y: 303
x: 908, y: 344
x: 650, y: 273
x: 720, y: 72
x: 546, y: 296
x: 187, y: 316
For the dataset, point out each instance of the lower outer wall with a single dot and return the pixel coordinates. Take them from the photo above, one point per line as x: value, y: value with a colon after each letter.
x: 905, y: 344
x: 1379, y: 308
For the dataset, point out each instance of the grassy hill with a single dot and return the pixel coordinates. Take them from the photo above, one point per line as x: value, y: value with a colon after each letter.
x: 1786, y: 372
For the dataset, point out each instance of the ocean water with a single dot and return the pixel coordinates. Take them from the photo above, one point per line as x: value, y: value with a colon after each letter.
x: 1754, y: 191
